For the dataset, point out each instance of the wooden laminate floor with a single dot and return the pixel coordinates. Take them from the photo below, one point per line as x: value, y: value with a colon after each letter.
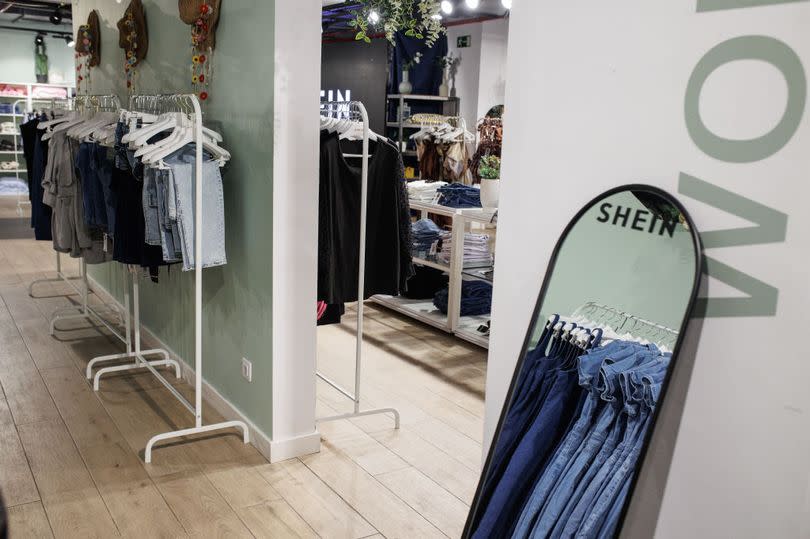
x: 71, y: 460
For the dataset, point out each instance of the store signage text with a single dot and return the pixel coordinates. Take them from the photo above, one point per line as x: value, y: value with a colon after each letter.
x: 771, y: 224
x: 635, y: 219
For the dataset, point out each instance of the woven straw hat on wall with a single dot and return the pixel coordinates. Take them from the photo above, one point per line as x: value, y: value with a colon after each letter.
x: 190, y: 11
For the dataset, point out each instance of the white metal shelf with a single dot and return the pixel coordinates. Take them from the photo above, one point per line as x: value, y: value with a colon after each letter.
x: 9, y: 152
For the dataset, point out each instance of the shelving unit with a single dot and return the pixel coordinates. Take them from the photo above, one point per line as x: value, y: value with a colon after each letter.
x: 22, y: 100
x: 450, y: 107
x: 464, y: 327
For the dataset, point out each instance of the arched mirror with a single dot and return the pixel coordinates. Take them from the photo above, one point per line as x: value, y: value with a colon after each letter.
x: 593, y: 371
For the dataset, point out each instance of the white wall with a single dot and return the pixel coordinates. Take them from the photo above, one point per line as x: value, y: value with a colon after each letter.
x: 296, y: 95
x: 492, y: 69
x: 596, y: 98
x: 465, y: 82
x: 480, y: 79
x: 17, y: 58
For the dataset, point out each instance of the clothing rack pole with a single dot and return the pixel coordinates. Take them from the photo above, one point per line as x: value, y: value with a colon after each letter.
x: 355, y: 396
x: 198, y: 230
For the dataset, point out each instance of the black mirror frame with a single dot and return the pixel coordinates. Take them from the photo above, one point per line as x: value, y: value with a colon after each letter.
x: 699, y: 265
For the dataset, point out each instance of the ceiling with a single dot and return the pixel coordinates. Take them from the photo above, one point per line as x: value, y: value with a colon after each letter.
x: 26, y: 15
x: 338, y: 13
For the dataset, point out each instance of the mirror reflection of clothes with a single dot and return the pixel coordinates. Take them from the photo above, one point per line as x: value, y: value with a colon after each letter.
x: 570, y: 442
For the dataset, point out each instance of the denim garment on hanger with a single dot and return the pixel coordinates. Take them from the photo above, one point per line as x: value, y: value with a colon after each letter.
x: 150, y: 208
x: 592, y: 378
x: 529, y: 456
x: 213, y: 208
x: 95, y: 212
x: 614, y: 492
x: 103, y: 165
x: 169, y: 232
x: 635, y: 418
x: 536, y: 379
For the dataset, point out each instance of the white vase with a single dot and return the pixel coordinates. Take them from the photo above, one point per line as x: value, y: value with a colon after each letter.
x: 405, y: 87
x: 490, y: 192
x: 444, y: 88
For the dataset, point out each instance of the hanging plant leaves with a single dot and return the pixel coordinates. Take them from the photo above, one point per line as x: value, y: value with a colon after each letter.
x: 414, y: 18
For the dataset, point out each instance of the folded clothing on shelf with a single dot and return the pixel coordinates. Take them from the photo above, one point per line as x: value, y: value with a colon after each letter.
x: 457, y: 195
x: 425, y: 283
x: 6, y: 146
x: 424, y: 191
x: 8, y: 128
x: 476, y: 298
x: 9, y: 165
x: 425, y: 234
x: 49, y: 92
x: 476, y: 249
x: 8, y: 108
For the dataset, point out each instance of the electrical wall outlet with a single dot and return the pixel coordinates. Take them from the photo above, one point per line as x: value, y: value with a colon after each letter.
x: 247, y: 370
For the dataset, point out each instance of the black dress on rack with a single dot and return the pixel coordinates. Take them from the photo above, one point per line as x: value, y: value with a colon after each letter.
x: 388, y: 259
x: 36, y: 156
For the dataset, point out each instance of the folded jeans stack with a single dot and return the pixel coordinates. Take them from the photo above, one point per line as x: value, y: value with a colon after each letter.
x: 457, y: 195
x: 476, y: 298
x: 426, y: 235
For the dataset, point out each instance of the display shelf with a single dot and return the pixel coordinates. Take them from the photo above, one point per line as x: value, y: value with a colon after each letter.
x: 10, y: 152
x: 435, y: 264
x: 479, y: 274
x: 13, y: 170
x: 424, y: 310
x: 420, y: 309
x: 479, y: 215
x: 10, y: 115
x: 12, y: 134
x: 468, y: 330
x: 421, y: 97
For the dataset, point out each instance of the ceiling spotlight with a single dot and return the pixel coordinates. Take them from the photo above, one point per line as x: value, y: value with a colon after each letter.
x: 472, y: 4
x: 373, y: 17
x: 56, y: 16
x: 40, y: 39
x: 447, y: 7
x: 69, y: 41
x: 507, y: 4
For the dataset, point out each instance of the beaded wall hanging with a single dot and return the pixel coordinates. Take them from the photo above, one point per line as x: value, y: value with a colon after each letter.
x: 134, y: 39
x: 203, y: 16
x: 88, y: 51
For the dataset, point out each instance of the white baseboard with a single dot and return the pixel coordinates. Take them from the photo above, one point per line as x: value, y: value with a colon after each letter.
x: 273, y: 450
x: 295, y: 447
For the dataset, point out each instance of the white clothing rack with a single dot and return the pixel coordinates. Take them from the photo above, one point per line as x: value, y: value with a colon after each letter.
x: 137, y: 354
x: 619, y: 321
x: 356, y: 111
x: 84, y: 310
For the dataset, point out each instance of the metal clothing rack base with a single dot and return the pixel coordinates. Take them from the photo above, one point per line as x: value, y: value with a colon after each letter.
x: 133, y: 350
x: 83, y: 311
x: 355, y: 110
x: 138, y: 355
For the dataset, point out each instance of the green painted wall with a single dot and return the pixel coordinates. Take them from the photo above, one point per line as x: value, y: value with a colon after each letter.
x: 237, y: 297
x: 643, y: 274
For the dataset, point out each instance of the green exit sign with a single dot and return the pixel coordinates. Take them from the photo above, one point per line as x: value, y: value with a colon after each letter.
x: 463, y: 42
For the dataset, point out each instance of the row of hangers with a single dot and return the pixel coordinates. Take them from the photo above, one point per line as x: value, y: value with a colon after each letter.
x: 619, y: 325
x: 441, y: 129
x: 95, y: 119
